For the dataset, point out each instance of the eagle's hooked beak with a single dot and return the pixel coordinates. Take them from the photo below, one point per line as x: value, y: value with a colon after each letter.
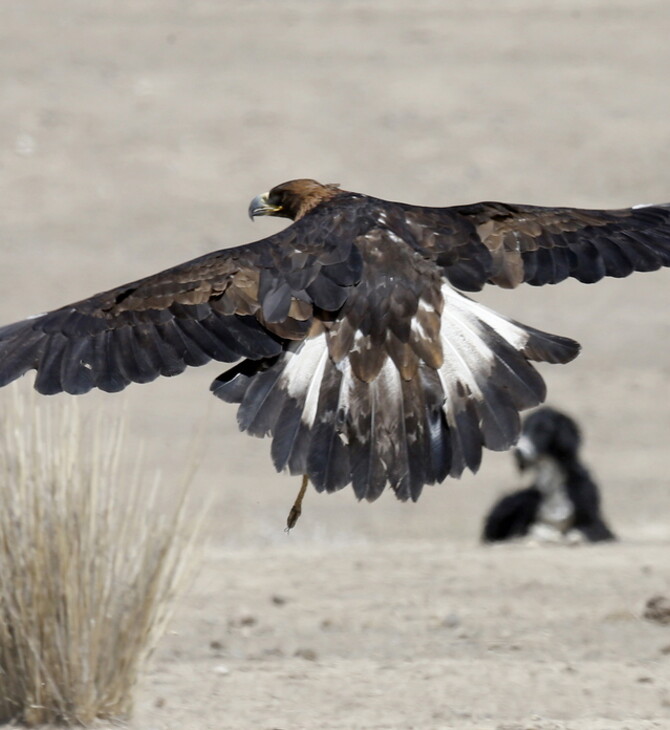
x: 260, y: 206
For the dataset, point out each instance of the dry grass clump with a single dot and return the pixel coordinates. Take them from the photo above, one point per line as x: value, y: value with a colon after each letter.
x: 88, y: 565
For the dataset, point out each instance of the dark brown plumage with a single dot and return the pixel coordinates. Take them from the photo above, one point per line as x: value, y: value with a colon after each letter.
x: 355, y: 352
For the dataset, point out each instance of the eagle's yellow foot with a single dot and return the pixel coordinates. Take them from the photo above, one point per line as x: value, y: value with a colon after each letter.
x: 296, y: 510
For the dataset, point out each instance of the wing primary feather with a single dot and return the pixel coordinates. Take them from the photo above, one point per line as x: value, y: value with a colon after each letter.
x: 21, y: 349
x: 244, y: 336
x: 647, y: 256
x: 231, y: 386
x: 367, y: 469
x: 185, y: 349
x: 76, y: 376
x: 48, y: 377
x: 439, y: 443
x: 304, y: 382
x: 418, y: 459
x: 161, y: 356
x: 589, y: 267
x: 262, y: 403
x: 395, y: 454
x: 107, y: 372
x: 472, y: 360
x: 285, y: 437
x: 328, y: 464
x: 208, y: 343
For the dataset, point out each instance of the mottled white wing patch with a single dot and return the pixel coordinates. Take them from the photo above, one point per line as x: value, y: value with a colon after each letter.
x: 468, y: 310
x: 303, y: 374
x: 407, y: 429
x: 485, y: 377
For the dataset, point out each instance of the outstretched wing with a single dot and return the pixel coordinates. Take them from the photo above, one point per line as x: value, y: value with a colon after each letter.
x: 244, y: 302
x: 508, y: 244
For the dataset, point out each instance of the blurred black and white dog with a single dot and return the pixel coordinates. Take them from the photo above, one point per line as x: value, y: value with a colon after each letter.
x: 563, y: 502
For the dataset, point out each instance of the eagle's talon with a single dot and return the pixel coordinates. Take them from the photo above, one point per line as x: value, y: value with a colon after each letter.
x: 296, y: 509
x: 292, y: 518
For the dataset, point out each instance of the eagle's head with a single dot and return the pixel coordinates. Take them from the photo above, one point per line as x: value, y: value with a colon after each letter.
x: 292, y: 199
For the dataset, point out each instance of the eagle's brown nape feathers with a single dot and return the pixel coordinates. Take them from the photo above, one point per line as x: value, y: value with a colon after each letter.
x: 292, y: 199
x: 354, y: 349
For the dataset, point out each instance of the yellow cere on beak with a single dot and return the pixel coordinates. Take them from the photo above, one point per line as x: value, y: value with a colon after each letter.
x: 260, y: 206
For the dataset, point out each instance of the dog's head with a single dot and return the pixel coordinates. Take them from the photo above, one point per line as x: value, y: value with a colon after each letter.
x: 547, y: 432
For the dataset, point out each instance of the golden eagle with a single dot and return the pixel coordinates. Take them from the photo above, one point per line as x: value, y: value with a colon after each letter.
x: 356, y: 352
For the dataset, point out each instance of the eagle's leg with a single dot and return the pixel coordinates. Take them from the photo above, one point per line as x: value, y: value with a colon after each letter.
x: 297, y: 505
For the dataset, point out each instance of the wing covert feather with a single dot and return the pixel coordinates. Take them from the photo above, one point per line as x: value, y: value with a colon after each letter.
x: 239, y: 302
x: 540, y: 245
x: 507, y: 245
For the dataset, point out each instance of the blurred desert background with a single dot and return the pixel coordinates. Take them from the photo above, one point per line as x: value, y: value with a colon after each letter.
x: 133, y: 134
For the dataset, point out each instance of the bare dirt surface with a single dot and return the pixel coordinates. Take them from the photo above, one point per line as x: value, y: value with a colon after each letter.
x: 133, y: 135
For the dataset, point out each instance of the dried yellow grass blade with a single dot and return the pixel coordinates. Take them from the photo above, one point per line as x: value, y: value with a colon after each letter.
x: 89, y: 563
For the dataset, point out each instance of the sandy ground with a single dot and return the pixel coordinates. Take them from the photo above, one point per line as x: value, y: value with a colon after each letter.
x: 132, y: 136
